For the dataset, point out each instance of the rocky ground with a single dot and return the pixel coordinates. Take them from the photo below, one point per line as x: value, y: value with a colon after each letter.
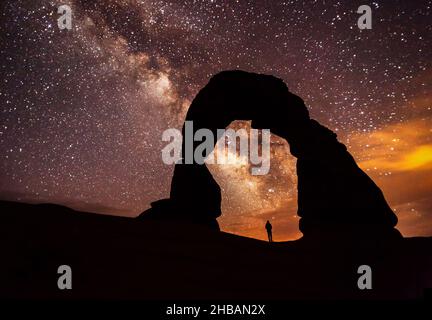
x: 126, y: 258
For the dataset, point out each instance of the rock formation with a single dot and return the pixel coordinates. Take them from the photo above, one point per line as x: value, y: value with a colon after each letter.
x: 334, y: 194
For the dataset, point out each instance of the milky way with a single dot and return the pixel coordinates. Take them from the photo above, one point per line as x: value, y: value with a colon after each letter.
x: 83, y: 110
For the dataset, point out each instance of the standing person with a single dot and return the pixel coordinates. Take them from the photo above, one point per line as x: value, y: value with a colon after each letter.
x: 268, y: 227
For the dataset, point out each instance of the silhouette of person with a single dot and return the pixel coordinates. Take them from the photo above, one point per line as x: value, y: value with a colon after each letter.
x: 268, y: 227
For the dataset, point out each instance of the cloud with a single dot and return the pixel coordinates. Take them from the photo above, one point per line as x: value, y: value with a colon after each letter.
x: 397, y: 147
x: 398, y: 157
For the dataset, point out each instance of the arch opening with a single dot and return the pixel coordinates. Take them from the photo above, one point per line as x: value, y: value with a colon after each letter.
x: 248, y: 200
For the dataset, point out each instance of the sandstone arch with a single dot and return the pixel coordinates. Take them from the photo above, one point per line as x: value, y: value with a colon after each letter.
x: 334, y: 194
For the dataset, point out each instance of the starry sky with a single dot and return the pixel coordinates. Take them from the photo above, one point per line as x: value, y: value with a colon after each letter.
x: 83, y: 110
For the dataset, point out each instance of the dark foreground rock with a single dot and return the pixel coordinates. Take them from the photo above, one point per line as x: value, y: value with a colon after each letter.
x: 126, y: 258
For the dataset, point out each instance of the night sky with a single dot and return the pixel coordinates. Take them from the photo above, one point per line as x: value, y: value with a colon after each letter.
x: 83, y: 110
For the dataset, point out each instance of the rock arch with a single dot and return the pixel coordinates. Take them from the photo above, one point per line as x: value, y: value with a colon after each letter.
x: 334, y: 194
